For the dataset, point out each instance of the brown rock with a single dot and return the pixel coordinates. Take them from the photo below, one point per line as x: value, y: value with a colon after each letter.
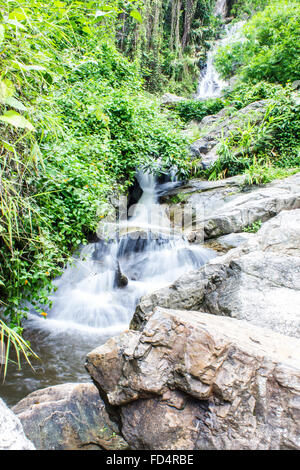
x: 68, y: 417
x: 217, y: 382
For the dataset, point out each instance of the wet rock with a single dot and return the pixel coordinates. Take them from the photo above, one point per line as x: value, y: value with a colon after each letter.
x: 120, y: 279
x: 259, y: 281
x: 12, y: 435
x: 192, y: 380
x: 68, y: 417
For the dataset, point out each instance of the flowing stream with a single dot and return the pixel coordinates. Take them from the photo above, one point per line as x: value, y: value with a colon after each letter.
x: 92, y: 301
x: 97, y: 294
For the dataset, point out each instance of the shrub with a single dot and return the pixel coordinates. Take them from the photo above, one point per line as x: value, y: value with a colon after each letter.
x: 196, y: 110
x: 270, y: 48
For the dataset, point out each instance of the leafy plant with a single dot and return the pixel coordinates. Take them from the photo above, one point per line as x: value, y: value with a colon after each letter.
x: 10, y: 338
x: 196, y: 110
x: 253, y: 228
x: 269, y: 49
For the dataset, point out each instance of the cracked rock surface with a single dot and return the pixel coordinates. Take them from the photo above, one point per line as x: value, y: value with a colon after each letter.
x: 192, y: 380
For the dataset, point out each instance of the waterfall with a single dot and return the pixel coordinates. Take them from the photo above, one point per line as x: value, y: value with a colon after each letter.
x: 210, y: 83
x: 147, y: 253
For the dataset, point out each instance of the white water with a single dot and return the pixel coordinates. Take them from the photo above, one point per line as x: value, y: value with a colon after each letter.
x: 211, y: 84
x: 88, y: 307
x: 87, y: 296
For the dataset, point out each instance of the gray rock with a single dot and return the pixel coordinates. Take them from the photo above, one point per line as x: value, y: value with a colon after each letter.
x: 12, y: 435
x: 233, y: 240
x: 120, y: 279
x: 169, y: 100
x: 261, y: 204
x: 191, y: 380
x: 68, y: 417
x: 226, y: 206
x: 221, y: 125
x: 259, y: 281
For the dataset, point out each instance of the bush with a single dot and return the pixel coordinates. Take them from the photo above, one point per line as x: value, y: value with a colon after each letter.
x: 196, y: 110
x: 270, y: 48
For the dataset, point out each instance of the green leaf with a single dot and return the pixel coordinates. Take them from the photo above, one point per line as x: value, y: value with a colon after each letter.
x: 17, y: 15
x: 14, y: 103
x: 8, y: 147
x: 2, y: 33
x: 7, y: 90
x: 136, y: 15
x: 16, y: 120
x: 29, y: 67
x: 17, y: 24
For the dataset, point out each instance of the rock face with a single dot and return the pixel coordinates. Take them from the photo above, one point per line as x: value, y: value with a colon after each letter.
x: 12, y: 436
x: 225, y: 207
x: 221, y: 125
x: 191, y: 380
x: 259, y: 281
x: 68, y: 417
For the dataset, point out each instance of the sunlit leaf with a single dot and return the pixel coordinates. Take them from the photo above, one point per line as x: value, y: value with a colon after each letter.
x: 17, y: 24
x: 17, y: 15
x: 8, y: 146
x: 136, y: 15
x: 14, y: 103
x: 7, y: 89
x: 16, y: 120
x: 29, y: 67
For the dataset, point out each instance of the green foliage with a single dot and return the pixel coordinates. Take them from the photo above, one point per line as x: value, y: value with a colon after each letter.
x: 246, y: 8
x: 274, y: 140
x: 269, y: 49
x: 254, y: 228
x: 75, y: 123
x: 262, y: 172
x: 171, y: 42
x: 196, y: 110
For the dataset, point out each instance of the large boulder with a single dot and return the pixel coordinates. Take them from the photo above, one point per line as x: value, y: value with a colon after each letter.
x: 261, y: 204
x: 259, y: 281
x: 68, y: 417
x: 12, y: 435
x: 227, y: 206
x: 192, y: 380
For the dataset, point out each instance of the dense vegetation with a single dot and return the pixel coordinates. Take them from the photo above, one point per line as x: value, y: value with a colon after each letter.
x: 265, y: 63
x: 171, y: 43
x: 75, y: 123
x: 77, y: 116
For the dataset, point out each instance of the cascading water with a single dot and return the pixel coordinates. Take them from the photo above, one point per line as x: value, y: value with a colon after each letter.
x: 210, y: 83
x: 94, y: 301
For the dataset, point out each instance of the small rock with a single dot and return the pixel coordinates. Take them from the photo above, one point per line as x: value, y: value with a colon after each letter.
x: 12, y: 435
